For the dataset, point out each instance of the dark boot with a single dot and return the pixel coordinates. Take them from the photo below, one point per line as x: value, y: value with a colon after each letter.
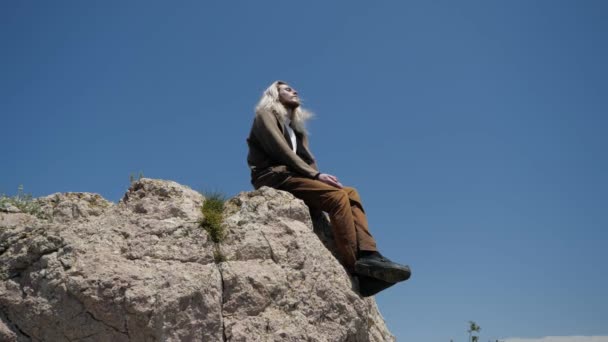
x: 370, y: 286
x: 373, y: 264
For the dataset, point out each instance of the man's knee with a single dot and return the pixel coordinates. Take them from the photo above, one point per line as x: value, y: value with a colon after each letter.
x: 349, y: 190
x: 336, y: 198
x: 352, y: 193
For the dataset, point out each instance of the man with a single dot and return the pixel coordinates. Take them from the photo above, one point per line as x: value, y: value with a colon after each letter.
x: 279, y: 157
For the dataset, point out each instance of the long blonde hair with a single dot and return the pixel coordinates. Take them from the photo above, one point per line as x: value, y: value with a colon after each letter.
x: 270, y: 102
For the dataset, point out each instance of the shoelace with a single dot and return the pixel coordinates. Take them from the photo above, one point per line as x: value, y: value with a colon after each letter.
x: 382, y: 258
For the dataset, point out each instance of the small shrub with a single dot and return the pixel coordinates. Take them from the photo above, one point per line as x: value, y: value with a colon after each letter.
x: 213, y: 216
x: 22, y: 201
x: 132, y: 178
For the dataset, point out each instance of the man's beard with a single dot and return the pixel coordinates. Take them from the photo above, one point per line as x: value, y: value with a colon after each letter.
x: 291, y: 106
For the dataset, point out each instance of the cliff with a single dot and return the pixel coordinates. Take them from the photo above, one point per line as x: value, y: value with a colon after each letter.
x: 144, y: 270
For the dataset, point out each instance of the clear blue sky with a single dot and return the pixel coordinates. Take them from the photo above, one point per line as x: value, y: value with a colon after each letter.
x: 476, y: 132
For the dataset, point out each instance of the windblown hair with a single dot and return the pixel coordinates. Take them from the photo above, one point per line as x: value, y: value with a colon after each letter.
x: 270, y: 102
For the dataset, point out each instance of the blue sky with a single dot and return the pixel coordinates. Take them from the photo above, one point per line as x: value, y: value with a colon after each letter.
x: 475, y: 132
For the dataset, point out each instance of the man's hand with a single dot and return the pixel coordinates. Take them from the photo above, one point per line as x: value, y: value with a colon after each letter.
x: 330, y: 180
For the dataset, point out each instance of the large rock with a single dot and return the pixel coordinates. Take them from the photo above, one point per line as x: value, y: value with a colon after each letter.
x: 143, y: 270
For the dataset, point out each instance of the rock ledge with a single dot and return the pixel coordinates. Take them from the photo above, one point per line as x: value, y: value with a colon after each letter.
x: 143, y: 270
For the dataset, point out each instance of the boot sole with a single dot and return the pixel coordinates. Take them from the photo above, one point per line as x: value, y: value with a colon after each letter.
x: 387, y: 274
x: 369, y: 286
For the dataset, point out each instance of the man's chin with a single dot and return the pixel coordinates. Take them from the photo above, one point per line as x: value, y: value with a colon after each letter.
x: 293, y: 105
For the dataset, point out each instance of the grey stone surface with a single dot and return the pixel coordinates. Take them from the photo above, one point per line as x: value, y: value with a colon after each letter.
x: 9, y: 208
x: 143, y: 270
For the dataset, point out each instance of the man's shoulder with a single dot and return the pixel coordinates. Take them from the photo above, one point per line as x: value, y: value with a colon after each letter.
x: 267, y: 117
x: 266, y: 113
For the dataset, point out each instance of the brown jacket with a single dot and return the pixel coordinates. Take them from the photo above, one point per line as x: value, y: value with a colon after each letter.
x: 271, y: 158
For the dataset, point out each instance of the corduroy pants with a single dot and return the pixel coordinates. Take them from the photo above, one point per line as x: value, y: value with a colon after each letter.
x: 348, y: 221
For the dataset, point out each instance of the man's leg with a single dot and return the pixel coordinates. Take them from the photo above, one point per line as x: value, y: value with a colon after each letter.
x: 370, y: 264
x: 365, y: 240
x: 350, y: 231
x: 336, y: 202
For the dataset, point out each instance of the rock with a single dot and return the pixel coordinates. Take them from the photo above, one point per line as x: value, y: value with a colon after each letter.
x: 143, y: 270
x: 7, y: 334
x: 70, y: 206
x: 158, y: 200
x: 9, y: 208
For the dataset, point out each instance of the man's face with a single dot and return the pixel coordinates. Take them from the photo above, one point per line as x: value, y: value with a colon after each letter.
x: 288, y: 96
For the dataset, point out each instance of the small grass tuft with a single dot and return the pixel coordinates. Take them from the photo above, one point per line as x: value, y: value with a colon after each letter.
x: 24, y: 202
x: 133, y: 179
x: 213, y: 216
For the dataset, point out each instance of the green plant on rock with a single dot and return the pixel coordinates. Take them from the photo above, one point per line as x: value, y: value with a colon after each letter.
x: 212, y: 222
x: 213, y: 216
x: 132, y: 178
x: 22, y: 201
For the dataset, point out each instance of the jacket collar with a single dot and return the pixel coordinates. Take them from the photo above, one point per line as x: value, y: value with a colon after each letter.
x: 281, y: 120
x: 300, y: 137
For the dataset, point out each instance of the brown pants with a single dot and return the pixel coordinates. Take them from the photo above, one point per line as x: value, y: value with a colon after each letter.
x: 345, y: 210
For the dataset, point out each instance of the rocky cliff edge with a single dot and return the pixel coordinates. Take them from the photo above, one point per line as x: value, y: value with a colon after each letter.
x: 144, y: 270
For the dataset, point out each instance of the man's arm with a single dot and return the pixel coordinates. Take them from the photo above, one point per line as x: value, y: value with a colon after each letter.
x: 268, y: 134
